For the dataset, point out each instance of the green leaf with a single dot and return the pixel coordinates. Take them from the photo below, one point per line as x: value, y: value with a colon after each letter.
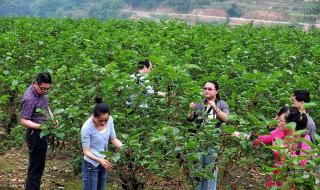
x: 39, y: 110
x: 175, y: 130
x: 229, y: 129
x: 108, y: 154
x: 124, y: 136
x: 54, y: 131
x: 129, y: 110
x: 192, y: 66
x: 134, y: 137
x: 116, y: 157
x: 60, y: 135
x: 177, y: 149
x: 277, y: 148
x: 309, y: 105
x: 317, y: 137
x: 191, y: 144
x: 6, y: 72
x: 44, y: 133
x: 58, y: 111
x: 273, y: 122
x: 278, y: 142
x: 159, y: 139
x: 15, y: 82
x: 300, y: 132
x: 190, y: 52
x: 271, y: 169
x: 291, y: 126
x: 253, y: 118
x: 4, y: 98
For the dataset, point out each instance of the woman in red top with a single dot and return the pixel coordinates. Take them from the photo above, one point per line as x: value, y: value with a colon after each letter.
x: 285, y: 115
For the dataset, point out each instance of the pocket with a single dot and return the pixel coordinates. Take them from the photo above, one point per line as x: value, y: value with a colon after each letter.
x: 91, y: 167
x: 88, y: 167
x: 30, y: 139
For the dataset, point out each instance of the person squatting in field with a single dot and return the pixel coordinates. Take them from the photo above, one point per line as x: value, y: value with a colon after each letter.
x: 213, y: 108
x: 285, y: 115
x: 35, y: 98
x: 95, y: 135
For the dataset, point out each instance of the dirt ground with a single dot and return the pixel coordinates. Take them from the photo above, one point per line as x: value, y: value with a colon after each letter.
x: 59, y: 176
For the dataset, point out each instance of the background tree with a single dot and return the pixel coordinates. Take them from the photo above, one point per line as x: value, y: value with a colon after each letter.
x: 234, y: 10
x: 107, y: 9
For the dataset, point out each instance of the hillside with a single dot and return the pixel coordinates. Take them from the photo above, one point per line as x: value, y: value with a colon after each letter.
x: 292, y: 11
x: 240, y: 12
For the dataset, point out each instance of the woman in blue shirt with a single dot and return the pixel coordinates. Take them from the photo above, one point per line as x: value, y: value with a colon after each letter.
x: 95, y: 135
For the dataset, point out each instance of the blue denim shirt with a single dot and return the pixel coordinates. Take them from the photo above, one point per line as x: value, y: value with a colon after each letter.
x: 97, y: 141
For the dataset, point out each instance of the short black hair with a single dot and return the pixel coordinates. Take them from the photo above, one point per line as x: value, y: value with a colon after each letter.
x: 302, y: 95
x: 146, y: 63
x: 44, y: 78
x: 100, y: 107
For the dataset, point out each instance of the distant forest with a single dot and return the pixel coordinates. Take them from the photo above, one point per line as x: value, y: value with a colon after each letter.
x: 101, y: 9
x: 104, y: 9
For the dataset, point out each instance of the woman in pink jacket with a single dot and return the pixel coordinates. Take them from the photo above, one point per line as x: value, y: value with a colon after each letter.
x: 285, y: 115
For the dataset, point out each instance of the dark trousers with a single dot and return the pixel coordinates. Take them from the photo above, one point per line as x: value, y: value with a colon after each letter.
x: 37, y: 156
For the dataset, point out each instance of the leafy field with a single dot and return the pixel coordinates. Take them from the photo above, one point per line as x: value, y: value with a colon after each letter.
x: 257, y: 69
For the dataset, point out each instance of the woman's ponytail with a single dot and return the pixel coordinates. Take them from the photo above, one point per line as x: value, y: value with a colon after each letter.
x: 302, y: 123
x: 294, y: 115
x: 100, y: 107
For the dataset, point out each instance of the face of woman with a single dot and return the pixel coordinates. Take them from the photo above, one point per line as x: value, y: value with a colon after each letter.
x: 101, y: 120
x: 282, y: 123
x: 209, y: 90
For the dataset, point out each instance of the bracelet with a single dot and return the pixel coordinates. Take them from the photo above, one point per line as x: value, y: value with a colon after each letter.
x: 217, y: 111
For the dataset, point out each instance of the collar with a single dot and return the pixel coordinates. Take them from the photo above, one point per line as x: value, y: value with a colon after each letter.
x: 34, y: 92
x: 205, y: 101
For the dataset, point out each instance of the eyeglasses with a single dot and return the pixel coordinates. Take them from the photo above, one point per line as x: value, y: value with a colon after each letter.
x: 43, y: 89
x: 209, y: 89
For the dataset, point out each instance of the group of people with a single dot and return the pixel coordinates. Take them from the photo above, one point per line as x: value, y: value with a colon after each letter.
x: 212, y: 107
x: 98, y: 129
x: 96, y: 133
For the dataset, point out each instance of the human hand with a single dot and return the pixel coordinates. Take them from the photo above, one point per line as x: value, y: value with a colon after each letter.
x: 192, y: 105
x: 162, y: 94
x: 236, y: 134
x: 212, y: 104
x: 243, y: 136
x: 53, y: 124
x: 105, y: 163
x: 56, y: 123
